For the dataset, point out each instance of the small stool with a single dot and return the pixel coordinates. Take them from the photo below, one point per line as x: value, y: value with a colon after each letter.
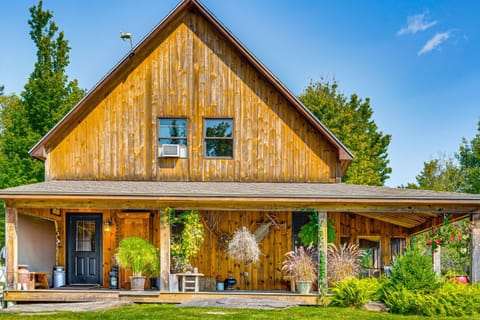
x: 40, y: 280
x: 190, y: 281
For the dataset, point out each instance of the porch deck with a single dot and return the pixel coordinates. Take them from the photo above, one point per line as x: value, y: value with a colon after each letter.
x: 147, y: 296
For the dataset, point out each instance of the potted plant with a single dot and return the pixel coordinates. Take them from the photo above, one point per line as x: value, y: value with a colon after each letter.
x: 301, y: 265
x: 141, y: 257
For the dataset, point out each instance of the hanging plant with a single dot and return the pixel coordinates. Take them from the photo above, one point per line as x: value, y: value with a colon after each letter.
x: 450, y: 233
x: 309, y: 231
x: 244, y: 247
x: 187, y: 243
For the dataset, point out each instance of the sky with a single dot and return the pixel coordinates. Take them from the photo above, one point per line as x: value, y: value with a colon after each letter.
x: 417, y: 61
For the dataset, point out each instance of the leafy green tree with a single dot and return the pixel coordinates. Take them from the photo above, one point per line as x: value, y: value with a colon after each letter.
x: 349, y: 118
x: 469, y: 158
x: 47, y: 96
x: 440, y: 174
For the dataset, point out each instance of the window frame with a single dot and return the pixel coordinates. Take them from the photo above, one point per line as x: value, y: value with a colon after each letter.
x: 160, y: 137
x: 205, y: 138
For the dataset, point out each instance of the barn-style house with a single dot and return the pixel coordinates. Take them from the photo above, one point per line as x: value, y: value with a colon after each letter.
x: 190, y: 119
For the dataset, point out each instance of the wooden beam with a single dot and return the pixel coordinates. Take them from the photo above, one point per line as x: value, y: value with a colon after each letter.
x: 322, y: 253
x: 475, y: 247
x: 233, y: 203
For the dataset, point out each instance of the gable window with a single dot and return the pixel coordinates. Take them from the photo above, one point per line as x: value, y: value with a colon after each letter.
x: 218, y: 138
x: 172, y: 137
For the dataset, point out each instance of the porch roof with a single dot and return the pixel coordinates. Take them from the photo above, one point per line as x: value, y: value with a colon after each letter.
x: 156, y: 189
x: 403, y: 207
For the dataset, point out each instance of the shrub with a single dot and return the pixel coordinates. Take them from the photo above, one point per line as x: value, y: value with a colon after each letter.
x: 413, y: 271
x: 353, y: 292
x: 343, y: 262
x: 453, y: 300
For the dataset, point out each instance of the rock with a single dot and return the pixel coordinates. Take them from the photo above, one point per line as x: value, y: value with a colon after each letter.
x: 375, y: 306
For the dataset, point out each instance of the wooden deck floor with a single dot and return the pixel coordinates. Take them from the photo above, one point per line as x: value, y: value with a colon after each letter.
x: 53, y: 295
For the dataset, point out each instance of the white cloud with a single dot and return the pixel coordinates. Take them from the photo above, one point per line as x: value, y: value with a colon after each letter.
x: 416, y: 23
x: 437, y: 39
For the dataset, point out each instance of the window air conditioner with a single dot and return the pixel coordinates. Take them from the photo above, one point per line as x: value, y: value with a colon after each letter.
x: 169, y: 151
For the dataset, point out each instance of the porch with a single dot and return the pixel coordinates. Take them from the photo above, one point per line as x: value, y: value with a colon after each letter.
x: 152, y: 296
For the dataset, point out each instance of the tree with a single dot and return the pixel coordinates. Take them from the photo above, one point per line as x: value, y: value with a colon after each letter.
x: 440, y: 174
x: 47, y: 96
x: 469, y: 158
x: 350, y: 120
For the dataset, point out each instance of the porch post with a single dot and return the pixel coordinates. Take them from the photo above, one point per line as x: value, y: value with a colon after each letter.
x: 164, y: 249
x: 475, y: 247
x: 436, y: 255
x: 322, y: 253
x: 11, y: 242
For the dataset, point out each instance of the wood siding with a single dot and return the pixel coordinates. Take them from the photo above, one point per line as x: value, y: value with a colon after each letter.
x: 351, y: 227
x: 192, y: 72
x: 266, y: 274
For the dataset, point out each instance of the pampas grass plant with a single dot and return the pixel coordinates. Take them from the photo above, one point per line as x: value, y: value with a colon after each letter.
x: 301, y: 264
x: 244, y: 247
x: 343, y: 262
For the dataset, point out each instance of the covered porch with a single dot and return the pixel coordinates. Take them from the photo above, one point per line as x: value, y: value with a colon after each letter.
x: 378, y: 217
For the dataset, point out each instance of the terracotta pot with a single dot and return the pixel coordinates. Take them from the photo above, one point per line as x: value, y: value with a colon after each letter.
x: 137, y: 283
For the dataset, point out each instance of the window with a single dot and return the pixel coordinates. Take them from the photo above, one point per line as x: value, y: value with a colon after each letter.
x: 172, y: 131
x: 219, y: 138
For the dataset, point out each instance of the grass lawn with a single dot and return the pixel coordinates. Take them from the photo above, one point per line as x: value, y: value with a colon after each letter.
x: 158, y: 311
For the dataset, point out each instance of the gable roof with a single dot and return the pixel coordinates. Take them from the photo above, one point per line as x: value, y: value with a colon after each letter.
x: 79, y: 111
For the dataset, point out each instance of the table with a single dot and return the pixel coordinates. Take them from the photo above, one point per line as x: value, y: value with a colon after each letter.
x: 189, y: 281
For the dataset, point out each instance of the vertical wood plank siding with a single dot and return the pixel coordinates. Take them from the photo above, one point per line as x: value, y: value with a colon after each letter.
x: 215, y: 263
x: 192, y: 72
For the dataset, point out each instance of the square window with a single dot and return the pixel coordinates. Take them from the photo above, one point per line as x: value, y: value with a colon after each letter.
x: 172, y: 131
x: 219, y: 138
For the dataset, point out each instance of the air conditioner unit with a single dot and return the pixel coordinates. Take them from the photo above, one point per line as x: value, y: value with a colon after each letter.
x: 169, y: 151
x: 172, y: 151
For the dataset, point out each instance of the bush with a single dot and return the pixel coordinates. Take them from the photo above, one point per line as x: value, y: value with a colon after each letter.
x: 453, y: 300
x: 413, y: 271
x: 354, y: 292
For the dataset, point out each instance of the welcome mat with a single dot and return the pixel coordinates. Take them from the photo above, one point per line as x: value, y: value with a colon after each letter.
x: 78, y: 287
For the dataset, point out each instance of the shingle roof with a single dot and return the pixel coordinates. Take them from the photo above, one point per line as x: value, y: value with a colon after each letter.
x: 132, y: 189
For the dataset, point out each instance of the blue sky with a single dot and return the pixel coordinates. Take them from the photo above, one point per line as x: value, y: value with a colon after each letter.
x: 418, y: 61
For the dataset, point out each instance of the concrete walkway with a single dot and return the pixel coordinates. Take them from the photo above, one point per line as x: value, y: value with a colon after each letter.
x: 48, y: 308
x: 235, y: 302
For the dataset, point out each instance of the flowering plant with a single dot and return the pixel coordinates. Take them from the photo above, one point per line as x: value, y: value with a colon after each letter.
x: 450, y: 233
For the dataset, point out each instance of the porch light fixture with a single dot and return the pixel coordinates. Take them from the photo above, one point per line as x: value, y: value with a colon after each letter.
x: 107, y: 226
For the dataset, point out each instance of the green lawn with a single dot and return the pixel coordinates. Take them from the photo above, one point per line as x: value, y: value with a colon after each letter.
x: 158, y: 311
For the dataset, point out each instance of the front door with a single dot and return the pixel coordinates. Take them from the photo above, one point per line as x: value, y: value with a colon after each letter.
x: 84, y: 248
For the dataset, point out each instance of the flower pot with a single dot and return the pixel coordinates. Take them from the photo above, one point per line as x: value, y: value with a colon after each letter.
x: 461, y: 279
x: 303, y: 287
x: 137, y: 283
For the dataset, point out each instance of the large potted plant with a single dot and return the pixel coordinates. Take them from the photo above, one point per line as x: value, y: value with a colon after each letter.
x: 301, y: 265
x: 139, y: 256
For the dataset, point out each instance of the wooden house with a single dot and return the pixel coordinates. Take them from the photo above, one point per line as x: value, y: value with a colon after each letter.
x: 190, y: 119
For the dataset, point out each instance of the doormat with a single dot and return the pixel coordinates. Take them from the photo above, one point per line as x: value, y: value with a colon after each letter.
x: 78, y: 287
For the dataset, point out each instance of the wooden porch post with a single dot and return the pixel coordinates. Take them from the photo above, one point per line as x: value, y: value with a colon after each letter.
x: 322, y: 253
x: 11, y: 242
x: 164, y: 249
x: 475, y: 247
